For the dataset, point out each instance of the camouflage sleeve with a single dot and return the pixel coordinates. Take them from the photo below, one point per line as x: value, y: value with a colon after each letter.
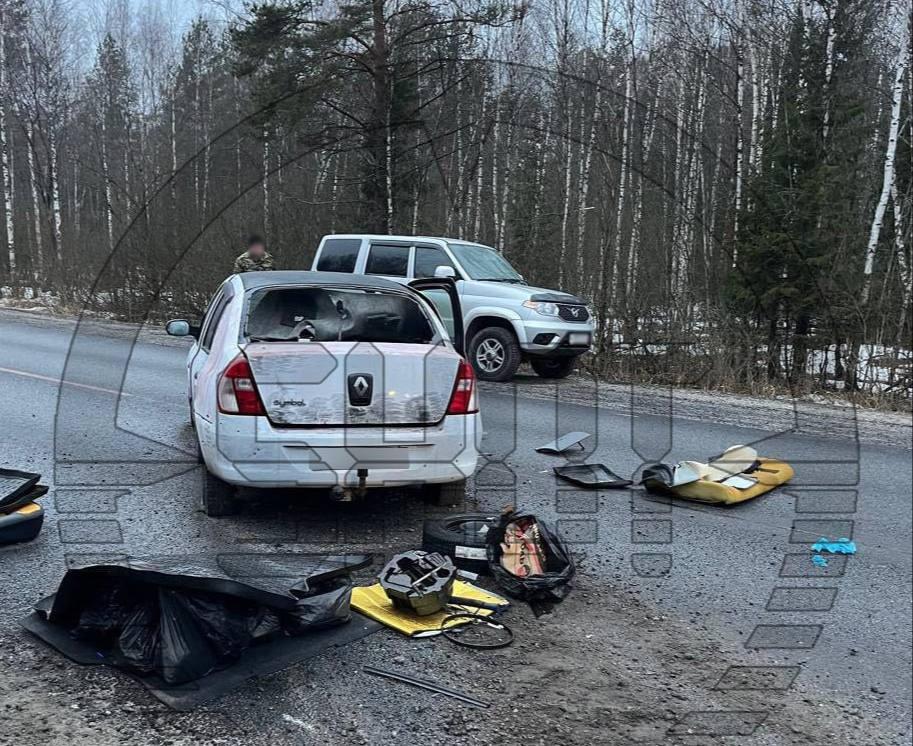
x: 267, y: 262
x: 238, y: 266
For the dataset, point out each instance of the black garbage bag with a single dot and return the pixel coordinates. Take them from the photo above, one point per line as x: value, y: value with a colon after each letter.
x: 140, y: 640
x: 553, y: 584
x: 324, y: 605
x: 179, y: 618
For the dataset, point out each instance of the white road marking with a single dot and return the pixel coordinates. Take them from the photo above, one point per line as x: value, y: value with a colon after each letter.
x: 61, y: 382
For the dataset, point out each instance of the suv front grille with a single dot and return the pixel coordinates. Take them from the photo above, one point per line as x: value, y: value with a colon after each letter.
x: 573, y: 313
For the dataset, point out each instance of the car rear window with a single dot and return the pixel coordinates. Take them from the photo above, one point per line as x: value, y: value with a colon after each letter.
x: 334, y: 314
x: 339, y: 255
x: 388, y: 260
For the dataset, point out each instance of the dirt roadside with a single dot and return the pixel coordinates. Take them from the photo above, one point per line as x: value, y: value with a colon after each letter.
x: 602, y: 669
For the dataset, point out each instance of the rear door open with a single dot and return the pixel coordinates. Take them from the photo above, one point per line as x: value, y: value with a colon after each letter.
x: 441, y: 292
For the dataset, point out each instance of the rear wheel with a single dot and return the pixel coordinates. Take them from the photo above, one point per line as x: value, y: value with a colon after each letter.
x: 553, y: 367
x: 495, y: 354
x: 218, y: 497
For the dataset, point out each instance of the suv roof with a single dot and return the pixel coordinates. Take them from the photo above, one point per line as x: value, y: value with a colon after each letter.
x: 385, y: 237
x: 306, y: 277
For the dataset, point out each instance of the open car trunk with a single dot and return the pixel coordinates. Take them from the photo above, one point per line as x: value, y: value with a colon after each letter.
x: 313, y: 383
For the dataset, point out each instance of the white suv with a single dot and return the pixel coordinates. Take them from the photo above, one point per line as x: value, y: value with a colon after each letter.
x: 316, y: 379
x: 506, y: 320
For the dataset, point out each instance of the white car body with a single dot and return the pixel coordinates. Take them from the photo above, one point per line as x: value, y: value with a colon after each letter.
x: 309, y: 433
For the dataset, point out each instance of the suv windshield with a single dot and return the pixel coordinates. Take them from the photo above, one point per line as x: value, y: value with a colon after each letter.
x: 335, y: 315
x: 483, y: 263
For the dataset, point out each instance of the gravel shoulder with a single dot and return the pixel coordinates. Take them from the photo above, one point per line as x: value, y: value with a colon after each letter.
x: 601, y: 669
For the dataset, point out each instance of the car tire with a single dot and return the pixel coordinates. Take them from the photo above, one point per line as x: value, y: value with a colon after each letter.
x: 451, y: 493
x: 553, y: 367
x: 461, y: 537
x: 218, y: 497
x: 495, y: 354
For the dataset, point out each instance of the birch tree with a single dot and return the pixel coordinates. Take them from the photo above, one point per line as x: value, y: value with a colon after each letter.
x: 900, y: 69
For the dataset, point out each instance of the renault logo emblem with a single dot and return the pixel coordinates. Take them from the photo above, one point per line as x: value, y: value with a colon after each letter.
x: 360, y: 389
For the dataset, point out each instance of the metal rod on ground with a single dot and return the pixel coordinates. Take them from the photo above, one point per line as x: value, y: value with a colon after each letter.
x: 423, y: 684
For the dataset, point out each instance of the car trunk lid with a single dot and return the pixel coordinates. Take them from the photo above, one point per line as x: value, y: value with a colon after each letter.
x: 353, y: 383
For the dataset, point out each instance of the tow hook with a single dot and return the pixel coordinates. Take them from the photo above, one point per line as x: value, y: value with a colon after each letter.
x: 345, y: 494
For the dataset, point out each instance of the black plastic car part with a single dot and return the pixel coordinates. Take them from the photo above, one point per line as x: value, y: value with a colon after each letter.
x: 420, y: 582
x: 592, y: 475
x: 563, y: 443
x: 15, y: 484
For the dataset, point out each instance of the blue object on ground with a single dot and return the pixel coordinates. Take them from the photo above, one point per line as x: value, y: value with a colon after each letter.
x: 819, y: 560
x: 841, y: 546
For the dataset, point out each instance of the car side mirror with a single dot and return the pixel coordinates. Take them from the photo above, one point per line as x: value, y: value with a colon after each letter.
x: 444, y: 270
x: 182, y: 328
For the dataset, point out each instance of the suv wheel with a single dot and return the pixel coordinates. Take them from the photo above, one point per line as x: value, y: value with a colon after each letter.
x: 495, y: 354
x: 218, y: 497
x: 553, y: 367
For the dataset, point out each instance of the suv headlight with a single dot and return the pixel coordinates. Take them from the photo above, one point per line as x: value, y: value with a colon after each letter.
x: 543, y: 307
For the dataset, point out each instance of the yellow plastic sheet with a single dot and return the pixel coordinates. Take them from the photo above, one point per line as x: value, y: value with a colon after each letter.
x: 373, y: 602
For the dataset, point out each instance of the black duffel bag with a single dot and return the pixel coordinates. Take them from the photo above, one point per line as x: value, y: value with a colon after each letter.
x: 552, y: 585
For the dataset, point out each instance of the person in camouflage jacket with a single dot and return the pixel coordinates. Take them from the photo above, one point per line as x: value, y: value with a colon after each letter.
x: 255, y: 259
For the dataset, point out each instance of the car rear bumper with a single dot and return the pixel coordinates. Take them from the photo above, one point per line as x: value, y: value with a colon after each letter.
x: 250, y: 451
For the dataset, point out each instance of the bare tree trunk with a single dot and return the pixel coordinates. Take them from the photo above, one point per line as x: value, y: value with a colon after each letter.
x: 54, y: 184
x: 106, y: 177
x: 335, y: 192
x: 505, y: 193
x: 495, y: 151
x: 388, y: 171
x: 480, y: 167
x: 623, y: 177
x: 5, y: 155
x: 565, y: 214
x: 266, y: 216
x: 754, y: 147
x: 543, y: 140
x: 739, y: 144
x: 888, y: 177
x: 584, y: 186
x: 828, y: 71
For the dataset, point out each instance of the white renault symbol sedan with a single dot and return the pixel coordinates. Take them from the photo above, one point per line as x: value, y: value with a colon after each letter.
x: 340, y: 381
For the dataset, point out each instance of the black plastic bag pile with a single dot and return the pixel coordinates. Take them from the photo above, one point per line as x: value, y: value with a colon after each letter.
x: 179, y: 618
x: 548, y: 587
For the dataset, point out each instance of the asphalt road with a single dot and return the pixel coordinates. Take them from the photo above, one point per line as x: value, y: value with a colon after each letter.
x: 114, y: 443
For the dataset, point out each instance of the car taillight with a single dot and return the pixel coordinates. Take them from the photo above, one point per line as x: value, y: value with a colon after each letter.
x: 237, y: 391
x: 463, y: 400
